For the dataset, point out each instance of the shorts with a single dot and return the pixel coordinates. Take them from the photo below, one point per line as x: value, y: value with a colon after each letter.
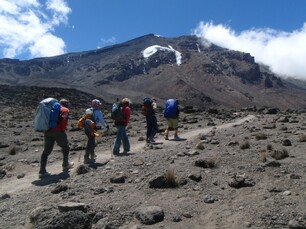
x: 172, y: 123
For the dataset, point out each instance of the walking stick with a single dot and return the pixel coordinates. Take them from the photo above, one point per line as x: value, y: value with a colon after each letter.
x: 110, y: 145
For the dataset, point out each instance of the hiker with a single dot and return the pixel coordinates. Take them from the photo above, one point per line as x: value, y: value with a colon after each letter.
x: 171, y: 113
x: 91, y: 133
x: 121, y: 128
x: 98, y: 116
x: 97, y: 113
x: 59, y: 136
x: 148, y: 111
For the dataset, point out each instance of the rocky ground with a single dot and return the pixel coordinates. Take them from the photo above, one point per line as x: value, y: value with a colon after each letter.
x: 241, y: 169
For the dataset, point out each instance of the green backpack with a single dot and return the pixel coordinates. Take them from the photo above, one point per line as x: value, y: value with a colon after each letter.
x: 117, y: 111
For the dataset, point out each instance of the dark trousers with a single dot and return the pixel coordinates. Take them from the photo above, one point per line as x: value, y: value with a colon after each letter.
x: 51, y: 137
x: 152, y: 127
x: 90, y: 147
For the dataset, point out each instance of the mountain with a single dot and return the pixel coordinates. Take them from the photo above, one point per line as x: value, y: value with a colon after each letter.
x: 197, y: 74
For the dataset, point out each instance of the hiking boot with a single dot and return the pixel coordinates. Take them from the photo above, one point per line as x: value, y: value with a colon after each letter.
x: 151, y: 140
x: 43, y: 175
x: 93, y: 156
x: 69, y: 166
x: 126, y: 152
x: 88, y: 161
x: 166, y: 137
x: 177, y: 137
x: 148, y: 140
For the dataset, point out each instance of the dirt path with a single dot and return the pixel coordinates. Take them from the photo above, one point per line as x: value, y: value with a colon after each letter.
x: 25, y: 184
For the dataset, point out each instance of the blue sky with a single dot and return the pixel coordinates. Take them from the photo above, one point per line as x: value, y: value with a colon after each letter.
x: 274, y: 31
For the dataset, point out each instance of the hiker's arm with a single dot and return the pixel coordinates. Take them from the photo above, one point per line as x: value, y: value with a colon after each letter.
x: 99, y: 118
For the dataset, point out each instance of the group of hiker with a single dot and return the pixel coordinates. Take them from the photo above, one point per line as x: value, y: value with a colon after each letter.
x: 92, y: 120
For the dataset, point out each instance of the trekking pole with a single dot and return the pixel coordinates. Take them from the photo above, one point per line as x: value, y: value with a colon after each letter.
x: 84, y: 142
x: 110, y: 145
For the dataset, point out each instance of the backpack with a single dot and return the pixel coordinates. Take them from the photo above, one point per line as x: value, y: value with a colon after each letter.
x: 81, y: 122
x: 147, y: 108
x: 117, y: 111
x: 47, y: 114
x: 88, y: 114
x: 147, y: 101
x: 170, y: 109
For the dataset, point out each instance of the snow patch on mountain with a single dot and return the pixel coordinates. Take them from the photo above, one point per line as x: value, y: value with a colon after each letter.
x: 149, y: 51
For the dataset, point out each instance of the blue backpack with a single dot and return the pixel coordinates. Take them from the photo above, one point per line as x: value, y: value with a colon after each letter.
x: 47, y: 114
x: 170, y: 109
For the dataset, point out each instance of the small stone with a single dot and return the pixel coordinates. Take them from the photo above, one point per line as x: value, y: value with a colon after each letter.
x: 286, y: 193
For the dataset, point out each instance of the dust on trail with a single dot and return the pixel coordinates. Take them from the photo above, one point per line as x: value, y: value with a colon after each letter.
x: 13, y: 185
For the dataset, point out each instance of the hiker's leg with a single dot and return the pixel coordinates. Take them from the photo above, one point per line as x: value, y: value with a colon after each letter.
x: 87, y: 149
x: 62, y: 141
x: 148, y: 128
x: 167, y: 128
x: 175, y: 127
x: 117, y: 143
x: 167, y: 133
x: 91, y: 147
x: 176, y: 133
x: 49, y: 143
x: 154, y: 127
x: 125, y: 141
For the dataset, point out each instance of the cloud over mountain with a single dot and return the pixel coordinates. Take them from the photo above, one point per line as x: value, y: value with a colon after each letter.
x: 284, y: 52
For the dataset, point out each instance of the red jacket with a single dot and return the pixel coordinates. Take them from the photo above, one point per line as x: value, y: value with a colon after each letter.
x: 63, y: 120
x: 126, y: 116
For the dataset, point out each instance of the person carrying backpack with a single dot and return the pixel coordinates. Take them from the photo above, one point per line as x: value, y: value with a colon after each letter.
x: 171, y: 113
x: 97, y: 114
x: 91, y: 133
x: 121, y: 127
x: 147, y: 110
x: 59, y: 136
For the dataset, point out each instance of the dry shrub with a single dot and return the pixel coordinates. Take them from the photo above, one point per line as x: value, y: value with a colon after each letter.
x: 170, y: 176
x: 212, y: 161
x: 200, y: 146
x: 263, y: 156
x: 245, y: 145
x: 260, y: 136
x: 269, y: 147
x: 302, y: 138
x: 279, y: 154
x: 12, y: 151
x: 10, y: 166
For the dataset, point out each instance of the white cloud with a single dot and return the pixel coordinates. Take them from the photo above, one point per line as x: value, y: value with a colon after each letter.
x: 27, y: 27
x: 284, y: 52
x: 49, y: 44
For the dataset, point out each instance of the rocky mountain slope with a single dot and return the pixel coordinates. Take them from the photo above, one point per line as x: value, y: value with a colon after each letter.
x: 199, y: 75
x: 230, y: 170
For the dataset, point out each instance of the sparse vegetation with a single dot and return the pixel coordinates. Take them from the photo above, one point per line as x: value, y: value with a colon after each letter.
x: 200, y: 146
x: 12, y: 151
x: 269, y: 147
x: 212, y: 161
x: 245, y: 144
x: 263, y: 156
x: 302, y: 138
x: 261, y: 136
x: 279, y: 154
x: 171, y: 177
x: 159, y: 174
